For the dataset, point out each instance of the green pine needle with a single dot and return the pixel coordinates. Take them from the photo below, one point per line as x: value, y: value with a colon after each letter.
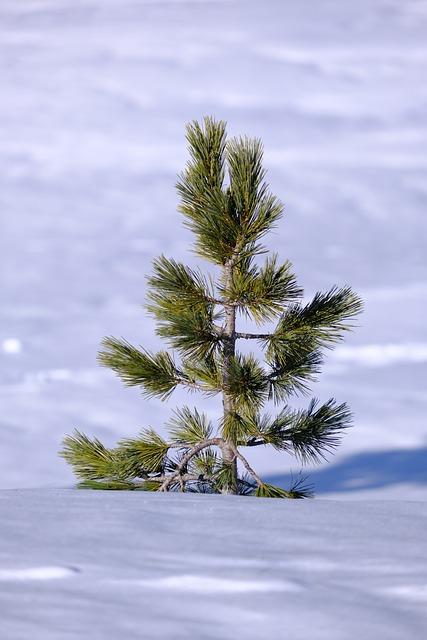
x: 156, y: 374
x: 189, y: 427
x: 310, y: 434
x: 175, y: 281
x: 109, y: 485
x: 148, y: 451
x: 270, y: 491
x: 90, y: 459
x: 247, y: 382
x: 321, y: 322
x: 262, y: 292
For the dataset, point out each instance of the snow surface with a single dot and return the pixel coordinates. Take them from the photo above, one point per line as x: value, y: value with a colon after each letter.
x: 76, y: 564
x: 95, y: 94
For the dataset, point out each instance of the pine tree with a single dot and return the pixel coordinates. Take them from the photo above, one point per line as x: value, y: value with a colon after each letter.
x: 227, y: 205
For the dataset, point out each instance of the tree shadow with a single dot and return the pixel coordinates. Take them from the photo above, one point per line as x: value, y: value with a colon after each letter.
x: 363, y: 471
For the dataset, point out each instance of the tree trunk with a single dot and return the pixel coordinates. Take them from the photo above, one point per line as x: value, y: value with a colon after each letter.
x: 229, y: 350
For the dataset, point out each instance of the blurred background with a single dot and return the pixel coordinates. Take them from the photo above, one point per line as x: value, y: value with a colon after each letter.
x: 95, y: 95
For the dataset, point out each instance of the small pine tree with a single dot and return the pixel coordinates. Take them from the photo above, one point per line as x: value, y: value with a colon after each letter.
x: 226, y: 203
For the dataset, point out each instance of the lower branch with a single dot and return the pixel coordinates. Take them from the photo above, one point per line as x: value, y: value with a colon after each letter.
x: 186, y: 459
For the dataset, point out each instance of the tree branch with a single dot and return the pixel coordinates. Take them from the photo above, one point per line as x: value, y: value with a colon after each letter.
x: 216, y: 301
x: 186, y: 459
x: 184, y: 477
x: 189, y: 383
x: 253, y: 442
x: 276, y: 373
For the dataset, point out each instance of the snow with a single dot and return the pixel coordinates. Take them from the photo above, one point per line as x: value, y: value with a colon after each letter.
x: 95, y: 95
x: 376, y: 355
x: 77, y: 564
x: 204, y: 584
x: 11, y: 345
x: 38, y: 573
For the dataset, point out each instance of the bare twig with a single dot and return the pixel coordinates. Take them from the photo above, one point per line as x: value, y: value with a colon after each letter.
x: 186, y: 459
x: 189, y: 383
x: 185, y: 477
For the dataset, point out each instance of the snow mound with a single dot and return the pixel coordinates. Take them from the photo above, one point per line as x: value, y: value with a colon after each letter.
x: 202, y: 567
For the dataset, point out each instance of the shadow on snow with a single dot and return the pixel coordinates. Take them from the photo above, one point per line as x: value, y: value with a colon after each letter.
x: 364, y: 471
